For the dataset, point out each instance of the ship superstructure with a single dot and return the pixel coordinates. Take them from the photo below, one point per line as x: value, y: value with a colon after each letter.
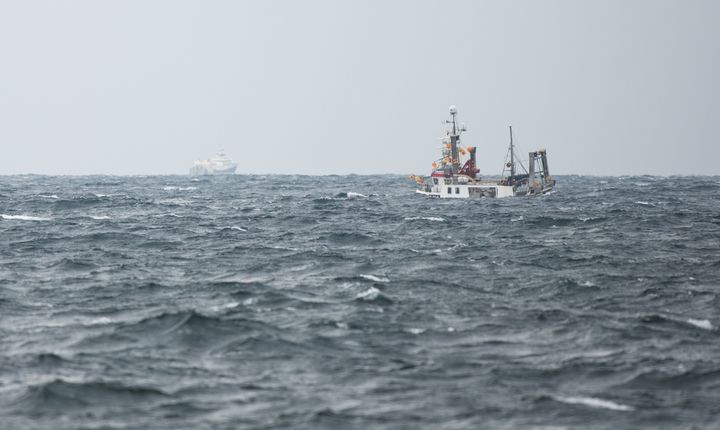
x: 221, y: 164
x: 448, y: 179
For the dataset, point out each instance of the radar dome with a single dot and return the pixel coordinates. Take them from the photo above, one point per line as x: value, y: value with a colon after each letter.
x: 453, y: 110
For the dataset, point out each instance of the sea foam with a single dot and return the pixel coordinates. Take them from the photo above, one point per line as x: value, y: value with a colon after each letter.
x: 703, y: 324
x: 371, y: 293
x: 594, y: 402
x: 374, y: 278
x: 23, y: 217
x: 426, y: 218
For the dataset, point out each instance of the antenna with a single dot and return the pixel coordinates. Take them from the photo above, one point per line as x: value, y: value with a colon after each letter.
x: 453, y: 112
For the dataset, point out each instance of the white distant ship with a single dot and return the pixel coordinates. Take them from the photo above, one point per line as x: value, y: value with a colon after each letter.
x: 221, y: 164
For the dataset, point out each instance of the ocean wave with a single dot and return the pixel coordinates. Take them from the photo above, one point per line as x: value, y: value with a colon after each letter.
x: 374, y: 278
x: 677, y: 322
x: 49, y: 359
x: 550, y: 221
x: 73, y: 265
x: 234, y: 227
x: 697, y: 377
x: 64, y: 395
x: 594, y: 402
x: 703, y: 324
x: 372, y: 294
x: 350, y: 195
x: 425, y: 218
x: 175, y: 188
x: 264, y: 346
x: 350, y: 238
x: 76, y: 202
x: 98, y: 321
x: 24, y: 217
x: 220, y: 308
x: 192, y: 326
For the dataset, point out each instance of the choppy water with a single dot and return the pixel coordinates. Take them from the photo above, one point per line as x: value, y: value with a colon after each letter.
x: 292, y: 302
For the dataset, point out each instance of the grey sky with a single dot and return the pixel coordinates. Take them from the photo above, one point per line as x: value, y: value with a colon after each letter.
x: 319, y: 87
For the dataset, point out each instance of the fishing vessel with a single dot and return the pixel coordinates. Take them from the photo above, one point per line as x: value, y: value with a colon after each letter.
x: 452, y: 180
x: 221, y: 164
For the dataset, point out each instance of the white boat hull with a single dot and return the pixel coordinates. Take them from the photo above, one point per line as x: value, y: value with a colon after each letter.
x: 464, y: 191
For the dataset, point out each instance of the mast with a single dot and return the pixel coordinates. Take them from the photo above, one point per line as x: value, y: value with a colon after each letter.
x: 512, y: 155
x: 455, y: 139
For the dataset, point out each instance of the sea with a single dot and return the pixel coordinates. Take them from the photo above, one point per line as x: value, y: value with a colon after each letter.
x: 351, y: 302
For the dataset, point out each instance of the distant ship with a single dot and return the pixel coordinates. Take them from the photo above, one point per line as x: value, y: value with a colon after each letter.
x: 221, y: 164
x: 449, y: 180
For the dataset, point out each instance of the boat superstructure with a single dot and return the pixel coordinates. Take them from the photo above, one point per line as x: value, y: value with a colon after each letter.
x: 221, y: 164
x: 450, y: 179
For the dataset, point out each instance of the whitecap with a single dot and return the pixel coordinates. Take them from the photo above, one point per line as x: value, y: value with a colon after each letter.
x: 371, y: 293
x: 23, y: 217
x: 98, y: 321
x: 48, y: 196
x: 426, y: 218
x: 594, y: 402
x: 238, y: 228
x: 283, y: 248
x: 374, y: 278
x: 703, y: 324
x: 520, y: 218
x: 640, y: 202
x: 219, y: 308
x: 99, y: 217
x: 172, y: 188
x: 416, y: 331
x: 351, y: 194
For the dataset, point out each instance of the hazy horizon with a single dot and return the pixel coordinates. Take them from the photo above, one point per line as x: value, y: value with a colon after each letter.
x: 209, y: 177
x: 326, y: 87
